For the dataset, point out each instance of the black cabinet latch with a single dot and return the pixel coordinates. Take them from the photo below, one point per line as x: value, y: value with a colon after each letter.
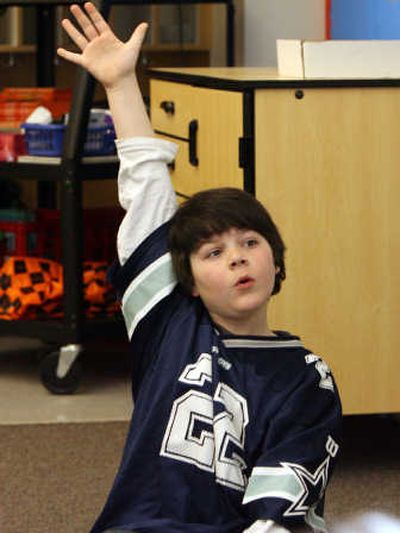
x: 246, y: 155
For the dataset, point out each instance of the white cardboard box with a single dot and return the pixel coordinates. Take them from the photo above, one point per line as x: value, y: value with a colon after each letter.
x: 338, y: 59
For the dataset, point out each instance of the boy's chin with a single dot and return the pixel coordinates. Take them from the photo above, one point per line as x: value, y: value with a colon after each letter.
x: 241, y: 315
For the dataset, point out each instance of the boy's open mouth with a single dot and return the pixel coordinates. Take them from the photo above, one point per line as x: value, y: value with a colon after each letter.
x: 244, y: 282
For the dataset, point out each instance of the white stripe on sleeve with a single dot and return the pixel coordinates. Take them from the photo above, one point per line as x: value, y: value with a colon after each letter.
x: 147, y: 290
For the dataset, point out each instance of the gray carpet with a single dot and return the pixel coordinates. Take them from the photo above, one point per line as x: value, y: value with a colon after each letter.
x: 55, y: 478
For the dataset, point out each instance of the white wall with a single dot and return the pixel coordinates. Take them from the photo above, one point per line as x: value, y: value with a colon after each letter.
x: 264, y: 21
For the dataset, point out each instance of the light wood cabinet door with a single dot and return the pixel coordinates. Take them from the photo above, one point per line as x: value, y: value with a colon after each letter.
x: 213, y: 161
x: 173, y: 107
x: 328, y: 169
x: 186, y: 178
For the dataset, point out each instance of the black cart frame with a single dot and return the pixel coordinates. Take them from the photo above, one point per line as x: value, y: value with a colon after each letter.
x: 74, y: 329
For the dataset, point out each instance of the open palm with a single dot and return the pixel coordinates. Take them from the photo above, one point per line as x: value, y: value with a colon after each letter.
x: 107, y: 58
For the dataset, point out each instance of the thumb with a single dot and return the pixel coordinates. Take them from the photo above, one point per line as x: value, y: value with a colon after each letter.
x: 138, y: 35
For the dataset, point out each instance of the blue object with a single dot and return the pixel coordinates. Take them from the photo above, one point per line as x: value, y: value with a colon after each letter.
x: 16, y: 215
x: 365, y: 19
x: 47, y: 140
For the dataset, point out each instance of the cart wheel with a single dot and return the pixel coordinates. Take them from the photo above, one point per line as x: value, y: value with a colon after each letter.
x: 48, y: 374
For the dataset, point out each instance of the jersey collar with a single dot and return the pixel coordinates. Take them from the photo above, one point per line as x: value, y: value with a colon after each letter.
x: 283, y: 339
x: 271, y: 342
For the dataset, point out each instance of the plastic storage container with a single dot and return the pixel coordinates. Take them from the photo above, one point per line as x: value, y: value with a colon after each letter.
x: 11, y: 145
x: 47, y: 140
x: 16, y: 104
x: 100, y: 227
x: 19, y: 233
x: 38, y: 234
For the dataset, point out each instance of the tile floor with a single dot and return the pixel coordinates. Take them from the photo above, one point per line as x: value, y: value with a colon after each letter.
x: 104, y: 394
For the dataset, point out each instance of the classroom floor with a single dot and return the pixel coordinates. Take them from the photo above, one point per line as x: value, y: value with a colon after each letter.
x: 59, y: 454
x: 104, y: 394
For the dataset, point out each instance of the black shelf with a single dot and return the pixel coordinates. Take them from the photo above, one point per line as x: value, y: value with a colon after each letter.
x: 85, y: 170
x: 60, y: 332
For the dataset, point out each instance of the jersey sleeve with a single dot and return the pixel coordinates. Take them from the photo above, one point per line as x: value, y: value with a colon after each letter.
x: 288, y: 481
x: 143, y: 276
x: 144, y: 190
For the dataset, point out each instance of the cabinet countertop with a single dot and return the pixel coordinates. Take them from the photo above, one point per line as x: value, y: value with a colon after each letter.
x: 241, y: 78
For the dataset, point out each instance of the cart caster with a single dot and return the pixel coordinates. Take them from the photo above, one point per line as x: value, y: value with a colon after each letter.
x: 60, y: 371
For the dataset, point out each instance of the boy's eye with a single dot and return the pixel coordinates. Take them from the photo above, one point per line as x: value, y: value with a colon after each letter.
x: 214, y: 253
x: 251, y: 242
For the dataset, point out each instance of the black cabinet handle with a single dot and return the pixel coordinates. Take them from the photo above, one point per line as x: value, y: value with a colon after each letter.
x: 168, y: 106
x: 193, y: 127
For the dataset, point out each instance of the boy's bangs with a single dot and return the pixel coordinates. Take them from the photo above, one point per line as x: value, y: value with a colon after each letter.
x: 216, y: 211
x: 203, y: 230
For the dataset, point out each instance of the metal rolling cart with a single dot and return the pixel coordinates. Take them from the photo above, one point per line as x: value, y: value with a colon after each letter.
x: 60, y: 367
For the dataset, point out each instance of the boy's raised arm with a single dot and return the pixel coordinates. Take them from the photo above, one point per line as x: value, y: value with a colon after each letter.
x: 144, y: 187
x: 112, y: 62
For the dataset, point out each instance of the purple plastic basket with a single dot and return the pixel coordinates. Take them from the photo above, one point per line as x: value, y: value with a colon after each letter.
x: 47, y: 140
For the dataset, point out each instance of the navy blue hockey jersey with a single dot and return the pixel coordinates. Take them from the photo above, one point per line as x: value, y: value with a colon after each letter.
x: 226, y: 430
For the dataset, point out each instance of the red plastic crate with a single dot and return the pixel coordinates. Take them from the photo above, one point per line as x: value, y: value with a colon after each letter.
x: 100, y: 227
x: 42, y: 238
x: 13, y: 114
x: 12, y: 145
x: 21, y: 238
x: 34, y: 93
x: 16, y: 104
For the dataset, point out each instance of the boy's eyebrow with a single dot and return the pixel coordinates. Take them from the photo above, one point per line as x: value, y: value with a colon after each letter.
x: 210, y: 240
x: 216, y: 236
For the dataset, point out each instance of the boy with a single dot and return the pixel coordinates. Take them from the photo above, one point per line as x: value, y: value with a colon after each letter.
x: 235, y: 426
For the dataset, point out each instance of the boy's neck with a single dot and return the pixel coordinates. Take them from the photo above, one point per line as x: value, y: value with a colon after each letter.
x: 248, y: 329
x: 266, y: 333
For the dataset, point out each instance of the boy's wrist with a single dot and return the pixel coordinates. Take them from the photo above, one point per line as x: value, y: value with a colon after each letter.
x: 128, y: 109
x: 127, y: 83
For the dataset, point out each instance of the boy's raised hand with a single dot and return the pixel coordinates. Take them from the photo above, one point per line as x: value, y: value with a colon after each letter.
x: 108, y: 59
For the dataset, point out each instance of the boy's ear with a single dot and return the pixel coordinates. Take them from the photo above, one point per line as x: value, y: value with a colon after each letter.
x: 195, y: 292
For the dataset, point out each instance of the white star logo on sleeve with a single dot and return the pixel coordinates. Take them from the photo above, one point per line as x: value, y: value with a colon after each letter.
x: 292, y: 482
x: 307, y: 480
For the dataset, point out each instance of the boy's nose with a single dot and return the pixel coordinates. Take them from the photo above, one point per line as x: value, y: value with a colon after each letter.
x: 238, y: 261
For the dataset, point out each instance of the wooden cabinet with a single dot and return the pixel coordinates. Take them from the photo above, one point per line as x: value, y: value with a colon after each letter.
x: 17, y: 29
x: 323, y: 157
x: 171, y: 26
x: 178, y: 35
x: 202, y: 121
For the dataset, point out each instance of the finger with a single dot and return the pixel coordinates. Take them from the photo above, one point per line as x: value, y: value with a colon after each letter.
x: 138, y: 35
x: 76, y: 36
x: 84, y: 22
x: 96, y: 17
x: 70, y: 56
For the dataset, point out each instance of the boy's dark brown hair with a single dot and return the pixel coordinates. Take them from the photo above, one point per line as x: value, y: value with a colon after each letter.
x: 213, y: 212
